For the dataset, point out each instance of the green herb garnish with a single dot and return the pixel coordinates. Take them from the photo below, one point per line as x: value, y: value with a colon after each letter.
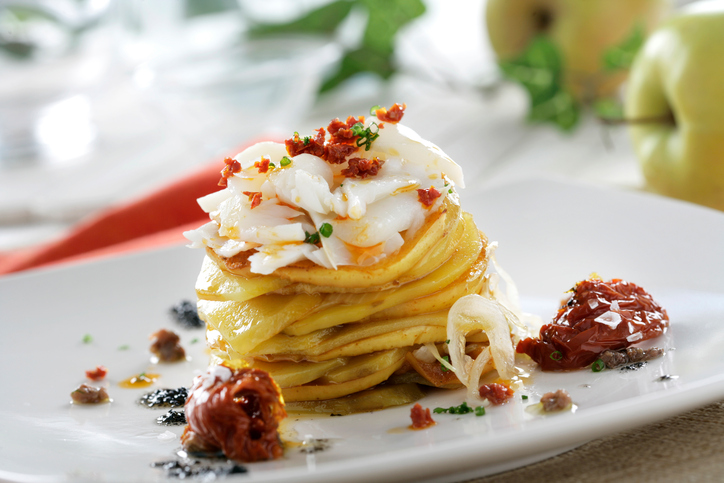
x: 366, y: 135
x: 124, y: 347
x: 194, y: 340
x: 556, y: 355
x: 87, y: 339
x: 286, y: 161
x: 312, y: 238
x: 325, y: 230
x: 480, y: 411
x: 272, y: 165
x: 598, y: 365
x: 373, y: 110
x: 524, y: 397
x: 443, y: 366
x: 621, y: 56
x: 462, y: 409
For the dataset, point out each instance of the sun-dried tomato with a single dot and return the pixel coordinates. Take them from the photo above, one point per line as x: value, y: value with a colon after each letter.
x: 427, y: 197
x: 361, y: 168
x: 495, y: 393
x: 254, y: 197
x: 421, y: 417
x: 310, y: 145
x: 599, y: 316
x: 263, y: 165
x: 337, y: 153
x: 96, y: 374
x: 393, y: 115
x: 238, y: 415
x: 231, y: 166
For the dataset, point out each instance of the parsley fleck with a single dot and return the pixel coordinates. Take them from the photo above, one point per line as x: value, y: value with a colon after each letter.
x: 450, y: 191
x: 312, y: 238
x: 307, y: 139
x: 524, y: 397
x: 124, y: 347
x: 462, y: 409
x: 87, y: 339
x: 447, y: 341
x: 325, y: 230
x: 286, y: 161
x: 194, y: 340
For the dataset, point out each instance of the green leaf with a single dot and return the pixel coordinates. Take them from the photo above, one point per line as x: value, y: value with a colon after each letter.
x: 562, y: 110
x: 608, y: 108
x: 538, y: 69
x: 621, y: 56
x: 323, y: 20
x: 358, y: 61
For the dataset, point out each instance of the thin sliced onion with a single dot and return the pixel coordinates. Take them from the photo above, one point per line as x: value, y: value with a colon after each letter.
x: 474, y: 312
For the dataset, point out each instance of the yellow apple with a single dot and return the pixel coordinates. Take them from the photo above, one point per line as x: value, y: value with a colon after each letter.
x: 677, y: 85
x: 583, y: 30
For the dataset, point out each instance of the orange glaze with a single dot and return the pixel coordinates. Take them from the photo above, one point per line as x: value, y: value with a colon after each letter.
x: 143, y: 379
x: 363, y: 253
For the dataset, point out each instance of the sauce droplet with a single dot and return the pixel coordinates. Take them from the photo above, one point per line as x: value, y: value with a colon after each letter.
x: 143, y: 379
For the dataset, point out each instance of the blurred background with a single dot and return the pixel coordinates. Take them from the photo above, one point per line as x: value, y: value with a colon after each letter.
x: 105, y: 100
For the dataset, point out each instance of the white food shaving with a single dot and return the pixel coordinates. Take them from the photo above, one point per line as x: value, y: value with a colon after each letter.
x: 609, y: 318
x: 367, y: 217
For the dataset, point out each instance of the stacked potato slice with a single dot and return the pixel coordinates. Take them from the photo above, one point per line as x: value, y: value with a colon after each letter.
x: 329, y: 338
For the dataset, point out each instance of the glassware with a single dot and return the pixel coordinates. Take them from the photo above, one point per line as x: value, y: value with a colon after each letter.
x: 54, y: 55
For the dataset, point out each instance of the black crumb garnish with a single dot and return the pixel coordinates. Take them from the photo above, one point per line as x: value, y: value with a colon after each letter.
x: 172, y: 418
x: 207, y: 470
x: 186, y: 315
x: 165, y: 398
x: 633, y: 367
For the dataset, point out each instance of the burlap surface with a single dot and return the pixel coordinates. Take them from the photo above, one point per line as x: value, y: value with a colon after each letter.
x: 687, y: 448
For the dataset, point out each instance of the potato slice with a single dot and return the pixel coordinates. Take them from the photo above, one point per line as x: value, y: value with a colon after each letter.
x: 373, y: 399
x: 244, y: 325
x: 213, y: 283
x: 362, y: 366
x: 354, y: 307
x: 315, y: 392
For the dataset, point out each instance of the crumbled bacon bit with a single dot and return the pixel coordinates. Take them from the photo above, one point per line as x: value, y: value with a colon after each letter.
x: 496, y: 393
x: 86, y: 394
x: 263, y: 165
x: 96, y: 374
x: 361, y: 168
x: 310, y: 145
x: 231, y: 166
x: 427, y: 197
x: 337, y: 153
x: 254, y: 197
x: 421, y: 417
x: 391, y: 115
x: 341, y: 132
x: 166, y: 346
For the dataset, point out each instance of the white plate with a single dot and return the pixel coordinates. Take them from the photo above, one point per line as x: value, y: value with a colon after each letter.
x: 551, y: 234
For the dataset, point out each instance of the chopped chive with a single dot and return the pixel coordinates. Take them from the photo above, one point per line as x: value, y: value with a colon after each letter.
x: 124, y: 347
x: 312, y: 238
x: 480, y: 411
x: 286, y: 161
x: 194, y: 340
x: 443, y: 367
x: 447, y: 341
x: 87, y: 339
x: 524, y: 397
x: 373, y: 111
x: 598, y: 365
x: 325, y: 230
x: 272, y: 165
x: 450, y: 191
x: 556, y: 355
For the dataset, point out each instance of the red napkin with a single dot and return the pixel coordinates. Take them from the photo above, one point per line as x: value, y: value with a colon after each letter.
x: 156, y: 219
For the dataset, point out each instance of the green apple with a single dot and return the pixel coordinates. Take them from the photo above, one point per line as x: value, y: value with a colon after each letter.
x: 675, y: 106
x: 583, y: 30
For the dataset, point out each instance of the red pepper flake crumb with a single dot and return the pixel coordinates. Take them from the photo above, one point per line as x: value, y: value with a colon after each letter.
x: 341, y: 132
x: 427, y: 197
x: 421, y: 418
x: 310, y: 145
x: 392, y: 115
x: 231, y: 166
x: 337, y: 153
x: 263, y: 165
x: 496, y: 393
x: 96, y: 374
x: 254, y: 197
x: 361, y: 168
